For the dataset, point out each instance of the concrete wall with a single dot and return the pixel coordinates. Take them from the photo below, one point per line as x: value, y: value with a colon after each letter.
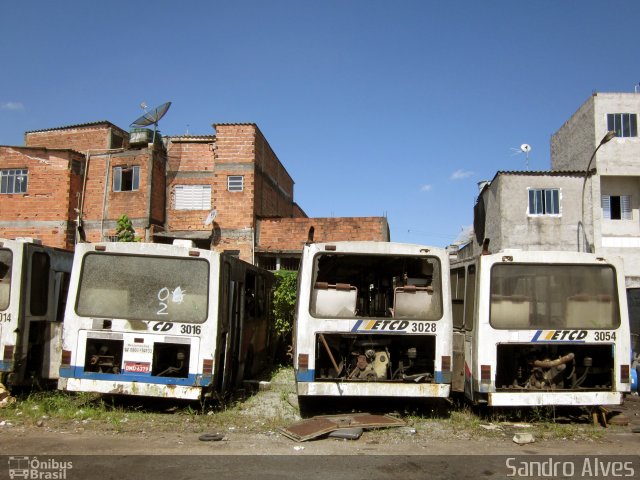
x: 573, y: 144
x: 619, y: 156
x: 509, y: 225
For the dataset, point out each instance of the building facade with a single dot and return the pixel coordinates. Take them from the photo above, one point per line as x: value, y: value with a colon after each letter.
x: 227, y: 191
x: 588, y: 201
x: 612, y: 195
x: 528, y: 211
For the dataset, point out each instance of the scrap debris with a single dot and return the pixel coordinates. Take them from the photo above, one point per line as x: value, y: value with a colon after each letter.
x: 342, y: 426
x: 5, y: 397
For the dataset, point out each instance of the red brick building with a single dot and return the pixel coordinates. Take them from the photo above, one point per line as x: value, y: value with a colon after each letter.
x: 40, y: 188
x: 227, y: 191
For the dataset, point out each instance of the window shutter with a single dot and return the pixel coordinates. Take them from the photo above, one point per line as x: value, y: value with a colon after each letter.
x: 606, y: 207
x: 193, y: 197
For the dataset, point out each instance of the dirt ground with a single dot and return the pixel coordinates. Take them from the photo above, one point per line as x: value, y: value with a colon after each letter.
x: 252, y: 427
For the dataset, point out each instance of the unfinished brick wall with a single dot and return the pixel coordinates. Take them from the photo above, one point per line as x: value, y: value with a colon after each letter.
x: 291, y: 233
x: 45, y: 211
x: 80, y: 137
x: 234, y: 155
x: 103, y: 207
x: 273, y: 184
x: 191, y: 162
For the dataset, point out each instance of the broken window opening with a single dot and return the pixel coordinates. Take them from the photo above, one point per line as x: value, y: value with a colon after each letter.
x: 379, y: 286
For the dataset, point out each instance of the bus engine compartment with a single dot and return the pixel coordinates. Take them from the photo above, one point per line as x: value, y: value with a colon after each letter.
x: 554, y: 367
x: 375, y: 358
x: 107, y: 356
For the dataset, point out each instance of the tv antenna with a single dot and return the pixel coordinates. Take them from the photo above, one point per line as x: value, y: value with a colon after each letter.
x: 151, y: 117
x: 524, y: 148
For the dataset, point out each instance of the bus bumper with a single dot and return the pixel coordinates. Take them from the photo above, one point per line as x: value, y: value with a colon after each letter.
x: 534, y: 399
x: 184, y: 392
x: 372, y: 389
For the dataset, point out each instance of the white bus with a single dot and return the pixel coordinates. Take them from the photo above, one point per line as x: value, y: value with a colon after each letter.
x: 372, y: 319
x: 33, y: 291
x: 163, y: 321
x: 540, y: 328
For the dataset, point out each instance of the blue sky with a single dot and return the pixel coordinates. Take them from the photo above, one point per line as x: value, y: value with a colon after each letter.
x: 374, y: 107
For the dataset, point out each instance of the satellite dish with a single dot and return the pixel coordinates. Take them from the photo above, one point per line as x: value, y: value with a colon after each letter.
x: 152, y: 117
x: 211, y: 217
x: 524, y: 148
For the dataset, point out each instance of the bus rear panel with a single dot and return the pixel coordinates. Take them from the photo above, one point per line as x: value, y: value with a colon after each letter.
x: 373, y: 319
x: 548, y: 328
x: 159, y: 320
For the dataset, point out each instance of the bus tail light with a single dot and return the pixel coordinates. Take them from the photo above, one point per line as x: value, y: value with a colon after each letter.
x: 303, y: 361
x: 624, y: 373
x: 207, y: 366
x: 66, y: 358
x: 8, y: 353
x: 485, y: 373
x: 446, y: 363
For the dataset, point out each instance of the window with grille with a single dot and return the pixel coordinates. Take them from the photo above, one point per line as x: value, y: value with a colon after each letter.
x: 192, y: 197
x: 544, y: 201
x: 624, y: 124
x: 235, y: 183
x: 13, y: 180
x: 616, y: 207
x: 126, y: 179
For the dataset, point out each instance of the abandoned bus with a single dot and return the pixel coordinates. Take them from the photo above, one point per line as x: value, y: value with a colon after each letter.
x: 33, y: 291
x: 372, y: 319
x: 540, y: 328
x: 163, y: 321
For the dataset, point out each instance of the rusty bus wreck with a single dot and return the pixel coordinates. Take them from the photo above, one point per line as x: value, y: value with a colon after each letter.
x: 540, y: 328
x: 373, y: 319
x: 163, y: 320
x: 34, y: 280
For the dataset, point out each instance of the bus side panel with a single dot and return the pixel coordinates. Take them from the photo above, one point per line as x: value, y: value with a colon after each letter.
x: 457, y: 374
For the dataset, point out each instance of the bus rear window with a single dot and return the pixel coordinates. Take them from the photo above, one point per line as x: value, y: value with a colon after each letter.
x: 137, y: 287
x: 384, y: 286
x: 6, y: 259
x: 533, y: 296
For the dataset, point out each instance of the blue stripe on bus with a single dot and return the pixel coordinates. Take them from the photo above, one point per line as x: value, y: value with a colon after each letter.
x: 439, y: 377
x: 191, y: 380
x: 535, y: 337
x: 356, y: 326
x: 306, y: 376
x: 6, y: 366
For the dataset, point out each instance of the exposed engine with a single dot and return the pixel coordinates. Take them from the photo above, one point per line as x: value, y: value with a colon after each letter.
x: 103, y: 356
x: 551, y: 367
x: 376, y: 358
x: 106, y: 356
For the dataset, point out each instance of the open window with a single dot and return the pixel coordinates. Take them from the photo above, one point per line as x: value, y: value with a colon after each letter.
x: 376, y: 286
x: 126, y: 179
